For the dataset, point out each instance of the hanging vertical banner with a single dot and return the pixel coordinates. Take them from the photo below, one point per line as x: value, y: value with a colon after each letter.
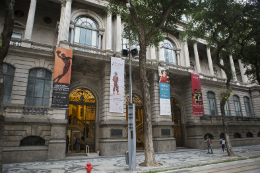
x: 61, y: 78
x: 197, y: 101
x: 165, y: 103
x: 117, y: 93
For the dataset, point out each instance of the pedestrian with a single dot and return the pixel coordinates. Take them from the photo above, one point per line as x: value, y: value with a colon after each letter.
x: 67, y: 143
x: 77, y: 145
x: 223, y: 144
x: 209, y: 142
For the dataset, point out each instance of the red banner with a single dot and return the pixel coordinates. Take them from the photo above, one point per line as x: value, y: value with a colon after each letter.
x: 61, y: 78
x: 197, y: 101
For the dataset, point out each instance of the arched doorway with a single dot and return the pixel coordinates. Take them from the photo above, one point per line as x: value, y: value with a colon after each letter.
x: 176, y: 118
x: 138, y: 120
x: 81, y: 120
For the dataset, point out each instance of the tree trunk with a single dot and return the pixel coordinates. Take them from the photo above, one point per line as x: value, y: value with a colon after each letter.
x: 148, y: 137
x: 224, y: 98
x: 4, y: 46
x: 225, y: 127
x: 2, y: 117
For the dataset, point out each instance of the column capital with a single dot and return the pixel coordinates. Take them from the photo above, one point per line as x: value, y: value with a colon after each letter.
x: 69, y: 1
x: 62, y: 3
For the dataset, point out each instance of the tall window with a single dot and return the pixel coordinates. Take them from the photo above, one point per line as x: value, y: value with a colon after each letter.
x: 169, y: 52
x: 86, y: 32
x: 237, y: 106
x: 226, y: 108
x: 212, y: 103
x: 38, y: 88
x: 8, y: 82
x: 248, y: 108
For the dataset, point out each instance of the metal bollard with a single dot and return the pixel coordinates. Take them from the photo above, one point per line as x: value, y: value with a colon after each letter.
x: 89, y: 167
x: 127, y: 158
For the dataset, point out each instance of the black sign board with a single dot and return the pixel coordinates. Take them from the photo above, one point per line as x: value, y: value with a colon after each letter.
x: 116, y: 132
x: 165, y: 132
x: 60, y: 95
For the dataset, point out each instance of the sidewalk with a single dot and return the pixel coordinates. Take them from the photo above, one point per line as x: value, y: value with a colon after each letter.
x: 117, y: 164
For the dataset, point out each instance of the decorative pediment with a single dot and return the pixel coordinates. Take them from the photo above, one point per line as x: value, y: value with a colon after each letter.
x: 85, y: 68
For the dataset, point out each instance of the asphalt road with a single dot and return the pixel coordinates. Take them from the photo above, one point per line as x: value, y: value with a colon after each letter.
x: 245, y: 166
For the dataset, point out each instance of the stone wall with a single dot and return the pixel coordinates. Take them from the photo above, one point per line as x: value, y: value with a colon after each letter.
x: 197, y: 131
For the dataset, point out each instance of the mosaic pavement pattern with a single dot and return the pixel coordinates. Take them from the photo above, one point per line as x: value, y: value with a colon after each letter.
x: 117, y: 164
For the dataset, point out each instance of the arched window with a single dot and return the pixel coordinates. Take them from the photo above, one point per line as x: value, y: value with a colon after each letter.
x: 86, y: 32
x: 169, y: 52
x: 248, y: 108
x: 32, y: 141
x: 209, y: 135
x: 226, y: 108
x: 222, y: 135
x: 212, y: 103
x: 38, y: 88
x: 237, y: 106
x: 8, y: 82
x: 237, y: 135
x: 249, y: 135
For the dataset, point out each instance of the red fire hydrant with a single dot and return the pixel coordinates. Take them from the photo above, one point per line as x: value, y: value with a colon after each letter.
x: 88, y: 167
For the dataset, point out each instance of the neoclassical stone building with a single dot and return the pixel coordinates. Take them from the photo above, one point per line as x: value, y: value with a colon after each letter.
x: 36, y: 132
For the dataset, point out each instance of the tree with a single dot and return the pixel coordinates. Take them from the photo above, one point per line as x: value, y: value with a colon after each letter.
x: 248, y: 41
x: 218, y: 22
x: 147, y: 18
x: 4, y: 46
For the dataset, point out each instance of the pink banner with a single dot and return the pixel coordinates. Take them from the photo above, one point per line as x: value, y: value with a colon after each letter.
x: 197, y: 101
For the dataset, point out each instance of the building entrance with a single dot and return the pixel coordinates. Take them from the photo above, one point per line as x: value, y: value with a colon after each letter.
x: 176, y: 118
x: 81, y: 121
x: 138, y: 120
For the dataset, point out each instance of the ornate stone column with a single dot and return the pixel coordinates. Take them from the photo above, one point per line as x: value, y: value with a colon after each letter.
x: 232, y: 67
x: 210, y: 62
x: 223, y: 75
x: 99, y: 40
x: 72, y: 35
x: 30, y: 20
x: 118, y: 33
x: 161, y: 52
x: 153, y: 52
x: 178, y: 58
x: 61, y: 25
x: 186, y: 54
x: 65, y: 30
x: 108, y: 32
x: 242, y: 70
x: 197, y: 60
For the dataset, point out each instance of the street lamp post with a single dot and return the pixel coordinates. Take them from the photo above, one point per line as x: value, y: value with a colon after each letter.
x: 131, y: 110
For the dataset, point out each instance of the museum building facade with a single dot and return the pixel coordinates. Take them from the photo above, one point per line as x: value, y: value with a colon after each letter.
x: 34, y: 131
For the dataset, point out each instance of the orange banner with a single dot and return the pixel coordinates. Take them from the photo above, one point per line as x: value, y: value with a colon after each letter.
x: 62, y: 66
x: 61, y: 78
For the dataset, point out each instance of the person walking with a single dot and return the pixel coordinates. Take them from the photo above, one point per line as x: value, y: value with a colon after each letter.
x: 209, y: 142
x: 223, y: 144
x: 77, y: 145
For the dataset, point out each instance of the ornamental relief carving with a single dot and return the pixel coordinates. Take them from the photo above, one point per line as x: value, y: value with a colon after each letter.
x: 85, y: 68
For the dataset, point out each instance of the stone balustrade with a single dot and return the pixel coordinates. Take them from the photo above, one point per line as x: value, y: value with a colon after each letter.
x: 33, y: 110
x: 237, y: 119
x: 13, y: 109
x: 15, y: 42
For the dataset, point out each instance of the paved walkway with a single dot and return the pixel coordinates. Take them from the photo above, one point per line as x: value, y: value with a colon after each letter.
x: 117, y: 164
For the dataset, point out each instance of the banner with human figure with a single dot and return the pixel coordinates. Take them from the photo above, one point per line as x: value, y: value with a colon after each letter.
x: 61, y: 78
x: 164, y: 84
x: 117, y: 79
x: 197, y: 100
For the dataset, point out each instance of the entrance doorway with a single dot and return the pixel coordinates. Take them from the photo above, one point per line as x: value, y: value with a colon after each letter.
x: 176, y: 118
x: 81, y: 121
x: 138, y: 120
